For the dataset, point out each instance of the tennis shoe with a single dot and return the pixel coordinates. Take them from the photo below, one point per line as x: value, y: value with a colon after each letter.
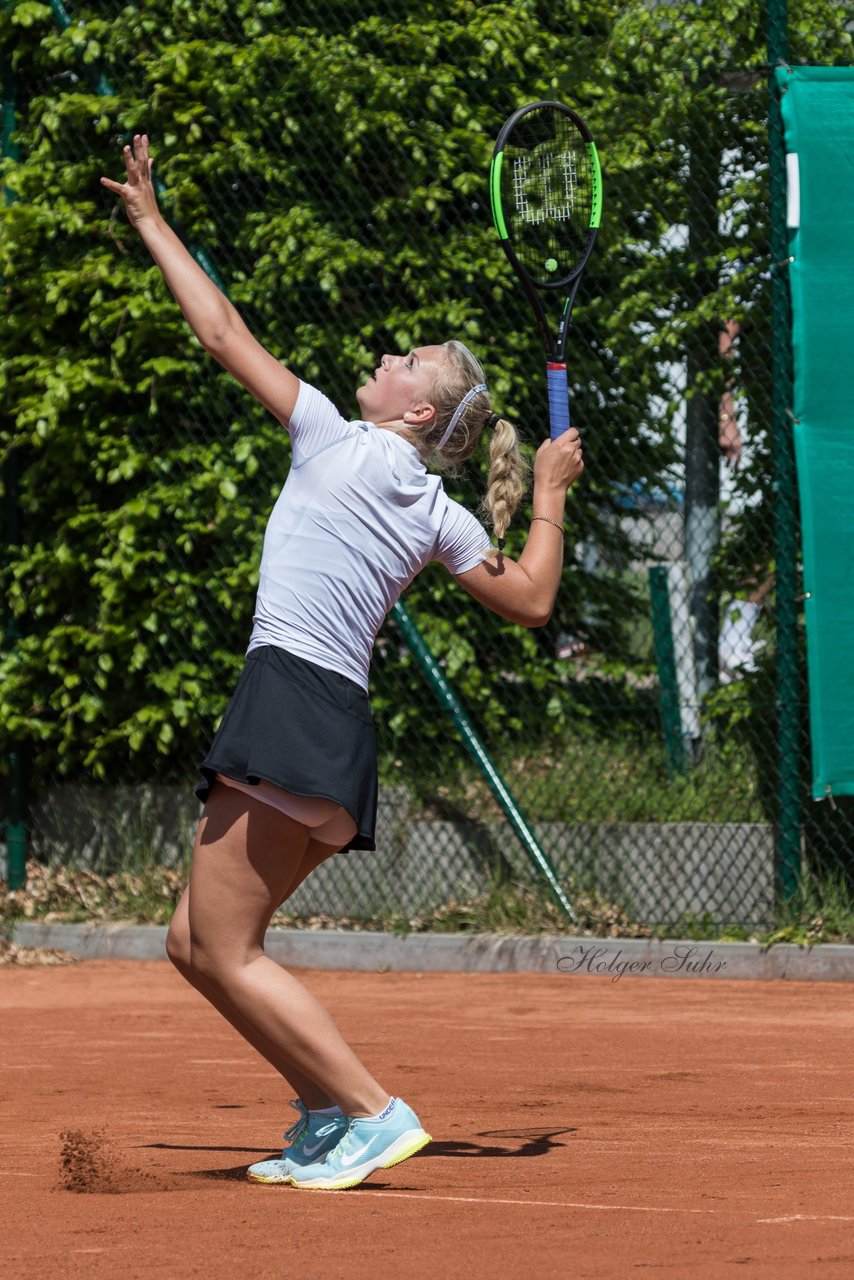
x: 309, y: 1138
x: 377, y: 1143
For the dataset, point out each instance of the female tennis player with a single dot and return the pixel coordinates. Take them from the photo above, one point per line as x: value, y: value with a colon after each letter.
x: 291, y: 776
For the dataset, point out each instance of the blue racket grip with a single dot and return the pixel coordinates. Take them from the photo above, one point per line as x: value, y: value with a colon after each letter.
x: 558, y: 399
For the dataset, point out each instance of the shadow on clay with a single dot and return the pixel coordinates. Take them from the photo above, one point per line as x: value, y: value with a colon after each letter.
x: 517, y: 1142
x: 528, y: 1142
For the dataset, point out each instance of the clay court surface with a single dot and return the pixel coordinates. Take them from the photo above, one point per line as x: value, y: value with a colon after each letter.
x: 583, y: 1128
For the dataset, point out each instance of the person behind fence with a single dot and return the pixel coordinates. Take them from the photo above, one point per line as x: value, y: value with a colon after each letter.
x: 738, y: 648
x: 291, y: 776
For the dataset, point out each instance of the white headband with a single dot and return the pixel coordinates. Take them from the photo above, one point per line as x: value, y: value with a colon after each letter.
x: 458, y: 412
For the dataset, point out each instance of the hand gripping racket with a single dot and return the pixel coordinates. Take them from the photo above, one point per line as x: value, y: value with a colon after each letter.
x: 545, y: 187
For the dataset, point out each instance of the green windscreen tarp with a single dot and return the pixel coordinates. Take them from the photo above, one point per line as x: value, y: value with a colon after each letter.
x: 818, y: 117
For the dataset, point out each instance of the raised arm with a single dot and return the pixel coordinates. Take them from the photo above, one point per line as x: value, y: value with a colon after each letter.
x: 525, y: 590
x: 213, y: 319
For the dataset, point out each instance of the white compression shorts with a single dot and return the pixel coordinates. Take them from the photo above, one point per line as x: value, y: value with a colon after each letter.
x: 328, y: 821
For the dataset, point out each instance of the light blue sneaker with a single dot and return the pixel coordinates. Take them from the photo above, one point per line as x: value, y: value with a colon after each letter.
x: 310, y: 1138
x: 367, y: 1145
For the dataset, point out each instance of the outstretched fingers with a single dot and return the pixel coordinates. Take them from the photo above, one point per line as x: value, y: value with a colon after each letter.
x: 138, y: 166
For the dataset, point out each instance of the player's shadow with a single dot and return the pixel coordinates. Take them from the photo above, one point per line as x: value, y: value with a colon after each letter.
x: 235, y: 1174
x: 177, y: 1146
x: 516, y: 1143
x: 531, y: 1142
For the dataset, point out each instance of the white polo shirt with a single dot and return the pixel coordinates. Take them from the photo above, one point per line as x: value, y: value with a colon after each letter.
x: 359, y: 516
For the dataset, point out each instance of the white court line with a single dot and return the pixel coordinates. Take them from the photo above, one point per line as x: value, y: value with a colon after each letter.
x: 809, y: 1217
x: 216, y: 1062
x: 579, y: 1204
x: 540, y: 1204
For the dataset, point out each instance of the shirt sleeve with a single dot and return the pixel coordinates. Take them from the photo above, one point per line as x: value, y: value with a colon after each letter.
x: 463, y: 542
x: 315, y: 424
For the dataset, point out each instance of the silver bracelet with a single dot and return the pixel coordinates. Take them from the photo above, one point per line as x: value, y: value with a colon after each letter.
x: 548, y: 521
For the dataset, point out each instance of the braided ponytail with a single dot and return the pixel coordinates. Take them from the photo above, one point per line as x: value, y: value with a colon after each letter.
x: 508, y: 475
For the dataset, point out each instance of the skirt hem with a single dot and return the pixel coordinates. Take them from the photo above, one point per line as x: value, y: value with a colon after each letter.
x: 362, y: 841
x: 303, y: 728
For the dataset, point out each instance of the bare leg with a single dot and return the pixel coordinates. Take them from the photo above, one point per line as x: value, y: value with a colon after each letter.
x: 246, y: 857
x: 180, y: 953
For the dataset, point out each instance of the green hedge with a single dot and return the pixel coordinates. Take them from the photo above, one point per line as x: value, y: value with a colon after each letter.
x: 333, y: 165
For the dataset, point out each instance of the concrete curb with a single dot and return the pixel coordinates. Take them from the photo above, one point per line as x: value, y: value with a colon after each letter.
x: 478, y: 953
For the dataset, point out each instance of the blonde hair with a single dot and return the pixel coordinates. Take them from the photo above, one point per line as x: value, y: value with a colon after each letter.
x: 508, y: 470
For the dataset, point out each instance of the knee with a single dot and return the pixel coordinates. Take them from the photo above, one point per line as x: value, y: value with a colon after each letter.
x: 202, y: 959
x: 194, y: 960
x: 204, y: 964
x: 197, y: 964
x: 216, y: 965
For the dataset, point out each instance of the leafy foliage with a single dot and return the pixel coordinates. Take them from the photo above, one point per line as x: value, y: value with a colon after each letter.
x: 332, y: 163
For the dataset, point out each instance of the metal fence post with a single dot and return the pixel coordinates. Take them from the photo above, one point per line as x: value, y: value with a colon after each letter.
x: 16, y: 824
x: 16, y: 812
x: 662, y: 632
x: 785, y: 512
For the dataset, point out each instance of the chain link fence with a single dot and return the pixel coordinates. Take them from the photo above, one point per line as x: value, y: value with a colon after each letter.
x: 328, y: 165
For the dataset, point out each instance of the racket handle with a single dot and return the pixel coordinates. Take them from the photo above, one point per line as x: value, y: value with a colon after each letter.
x: 558, y: 399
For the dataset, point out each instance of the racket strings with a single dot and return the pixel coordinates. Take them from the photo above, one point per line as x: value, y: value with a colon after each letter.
x: 548, y: 195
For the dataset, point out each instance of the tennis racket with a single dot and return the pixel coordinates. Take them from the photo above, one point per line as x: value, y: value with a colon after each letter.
x: 545, y: 189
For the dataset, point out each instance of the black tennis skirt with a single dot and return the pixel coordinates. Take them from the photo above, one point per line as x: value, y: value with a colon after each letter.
x: 303, y: 728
